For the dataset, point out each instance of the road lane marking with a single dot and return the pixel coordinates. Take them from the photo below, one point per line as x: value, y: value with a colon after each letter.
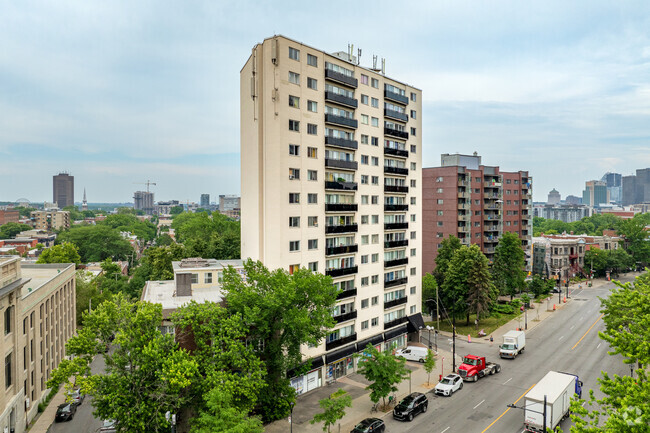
x: 560, y: 338
x: 573, y: 327
x: 445, y: 429
x: 507, y: 381
x: 598, y: 345
x: 506, y: 411
x: 601, y: 316
x: 479, y: 404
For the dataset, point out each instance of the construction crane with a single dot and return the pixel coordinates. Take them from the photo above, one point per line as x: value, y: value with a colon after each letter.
x: 145, y: 183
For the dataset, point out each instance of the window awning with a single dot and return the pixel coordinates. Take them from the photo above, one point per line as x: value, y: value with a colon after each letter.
x: 341, y: 353
x: 372, y: 340
x: 395, y: 332
x: 416, y: 322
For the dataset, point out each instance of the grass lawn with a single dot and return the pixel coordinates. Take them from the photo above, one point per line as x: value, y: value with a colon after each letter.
x: 488, y: 324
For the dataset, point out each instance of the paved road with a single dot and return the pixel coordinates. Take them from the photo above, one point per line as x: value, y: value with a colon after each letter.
x: 83, y: 421
x: 551, y: 346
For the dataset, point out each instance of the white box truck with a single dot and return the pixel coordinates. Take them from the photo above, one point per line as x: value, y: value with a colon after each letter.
x: 556, y: 389
x: 514, y: 342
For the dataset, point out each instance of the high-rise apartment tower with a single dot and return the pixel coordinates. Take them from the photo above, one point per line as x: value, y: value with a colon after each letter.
x: 63, y: 190
x: 331, y: 168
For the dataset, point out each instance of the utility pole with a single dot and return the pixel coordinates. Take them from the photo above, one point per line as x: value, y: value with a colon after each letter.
x: 454, y: 345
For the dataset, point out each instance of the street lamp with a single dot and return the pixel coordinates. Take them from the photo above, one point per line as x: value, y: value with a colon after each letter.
x: 291, y: 405
x: 429, y: 328
x: 171, y: 419
x: 530, y: 410
x: 453, y: 357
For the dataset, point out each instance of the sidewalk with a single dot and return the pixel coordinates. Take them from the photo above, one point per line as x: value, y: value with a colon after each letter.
x: 44, y: 420
x: 307, y: 404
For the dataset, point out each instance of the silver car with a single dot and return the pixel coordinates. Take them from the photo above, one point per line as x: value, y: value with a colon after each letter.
x: 448, y: 385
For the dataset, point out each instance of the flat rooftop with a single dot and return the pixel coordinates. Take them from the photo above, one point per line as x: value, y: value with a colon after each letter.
x: 193, y: 264
x: 40, y: 274
x: 164, y: 293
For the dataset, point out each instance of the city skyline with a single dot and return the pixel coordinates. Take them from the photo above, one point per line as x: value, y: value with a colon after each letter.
x: 121, y: 93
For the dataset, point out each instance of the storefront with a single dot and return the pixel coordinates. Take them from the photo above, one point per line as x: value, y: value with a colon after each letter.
x: 311, y: 379
x: 395, y: 338
x: 339, y: 363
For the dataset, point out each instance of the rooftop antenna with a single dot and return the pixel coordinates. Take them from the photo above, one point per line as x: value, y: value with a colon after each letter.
x: 359, y: 56
x: 383, y: 66
x: 374, y: 61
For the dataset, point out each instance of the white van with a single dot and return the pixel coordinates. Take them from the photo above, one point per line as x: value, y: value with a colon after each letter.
x: 413, y: 353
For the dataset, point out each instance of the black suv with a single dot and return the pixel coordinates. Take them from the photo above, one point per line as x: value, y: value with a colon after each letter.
x: 412, y: 405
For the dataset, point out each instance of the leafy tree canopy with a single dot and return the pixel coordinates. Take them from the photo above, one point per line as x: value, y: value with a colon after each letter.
x: 593, y: 225
x: 209, y: 236
x: 97, y: 243
x: 383, y: 370
x: 10, y: 230
x: 508, y: 269
x: 333, y: 409
x: 65, y: 252
x: 445, y: 254
x: 144, y: 230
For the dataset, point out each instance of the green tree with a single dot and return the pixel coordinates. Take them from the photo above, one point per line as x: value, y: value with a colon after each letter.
x: 285, y: 312
x: 445, y: 254
x: 220, y: 416
x: 144, y: 230
x: 429, y: 365
x: 208, y: 236
x: 625, y: 406
x: 176, y: 210
x: 164, y: 240
x: 65, y: 252
x: 508, y: 268
x: 146, y: 374
x: 10, y: 230
x: 383, y: 370
x: 25, y: 212
x: 539, y: 286
x: 333, y: 409
x: 75, y: 215
x: 429, y: 287
x: 97, y: 243
x: 637, y: 238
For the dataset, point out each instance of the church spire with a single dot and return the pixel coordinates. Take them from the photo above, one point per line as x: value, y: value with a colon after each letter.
x: 84, y: 204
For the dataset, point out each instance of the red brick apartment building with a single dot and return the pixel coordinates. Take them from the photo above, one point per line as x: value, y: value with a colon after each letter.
x: 475, y: 203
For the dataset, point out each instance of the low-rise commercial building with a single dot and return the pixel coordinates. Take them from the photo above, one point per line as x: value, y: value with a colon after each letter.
x: 9, y: 216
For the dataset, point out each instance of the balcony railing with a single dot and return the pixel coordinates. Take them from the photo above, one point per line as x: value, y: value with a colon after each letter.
x: 347, y: 294
x: 395, y: 282
x: 463, y: 194
x: 341, y: 99
x: 464, y: 205
x: 396, y: 115
x: 350, y: 228
x: 342, y: 271
x: 395, y: 133
x: 488, y: 250
x: 396, y: 97
x: 396, y: 170
x: 341, y: 142
x: 396, y: 207
x: 394, y: 323
x: 396, y: 152
x: 395, y: 302
x: 341, y: 163
x: 396, y: 262
x: 463, y: 183
x: 491, y: 196
x: 395, y: 188
x: 341, y: 78
x: 345, y: 186
x: 345, y: 249
x: 490, y: 239
x: 345, y: 317
x: 396, y: 244
x: 341, y: 207
x: 463, y: 229
x: 396, y: 226
x: 340, y: 120
x: 341, y: 341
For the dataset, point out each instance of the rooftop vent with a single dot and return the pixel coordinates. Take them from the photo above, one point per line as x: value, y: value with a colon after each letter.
x: 194, y: 262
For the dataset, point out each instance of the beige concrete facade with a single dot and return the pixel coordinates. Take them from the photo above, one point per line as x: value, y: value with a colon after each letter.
x: 331, y: 158
x: 38, y: 309
x: 49, y: 220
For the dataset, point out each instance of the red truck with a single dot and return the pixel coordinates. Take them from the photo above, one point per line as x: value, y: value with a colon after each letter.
x: 475, y: 367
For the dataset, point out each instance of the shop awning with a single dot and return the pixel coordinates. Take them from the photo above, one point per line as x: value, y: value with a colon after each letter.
x: 416, y: 322
x: 341, y: 353
x: 315, y: 363
x: 372, y: 340
x: 388, y: 335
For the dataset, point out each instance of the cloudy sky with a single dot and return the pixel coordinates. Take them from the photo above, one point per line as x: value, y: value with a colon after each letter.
x: 120, y: 92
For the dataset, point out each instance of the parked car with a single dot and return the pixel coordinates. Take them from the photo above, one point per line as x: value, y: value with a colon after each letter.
x: 448, y: 385
x: 108, y: 426
x: 412, y: 405
x: 76, y: 397
x: 65, y: 412
x: 368, y: 425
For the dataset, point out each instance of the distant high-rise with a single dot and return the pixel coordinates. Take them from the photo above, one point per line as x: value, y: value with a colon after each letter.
x: 63, y: 190
x: 143, y: 200
x: 636, y: 189
x: 205, y: 201
x: 614, y: 183
x: 595, y: 193
x: 573, y: 199
x: 229, y: 202
x: 554, y: 197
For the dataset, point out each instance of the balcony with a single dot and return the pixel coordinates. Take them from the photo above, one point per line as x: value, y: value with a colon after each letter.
x: 395, y: 282
x: 464, y: 240
x: 396, y: 115
x: 396, y: 207
x: 463, y: 182
x: 491, y: 185
x: 395, y: 302
x: 341, y: 99
x: 463, y: 194
x: 341, y: 142
x: 463, y: 229
x: 341, y: 341
x: 492, y: 228
x: 488, y: 250
x: 396, y: 226
x: 465, y: 206
x: 490, y: 239
x: 346, y: 294
x: 341, y: 78
x: 341, y: 207
x: 341, y: 163
x: 396, y: 262
x: 396, y: 97
x: 342, y: 271
x: 491, y: 196
x: 345, y: 317
x: 345, y: 249
x: 396, y: 170
x: 463, y: 217
x: 341, y: 121
x: 395, y: 322
x: 396, y: 188
x: 491, y: 217
x: 396, y: 244
x: 395, y: 133
x: 396, y: 152
x: 344, y: 186
x: 350, y: 228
